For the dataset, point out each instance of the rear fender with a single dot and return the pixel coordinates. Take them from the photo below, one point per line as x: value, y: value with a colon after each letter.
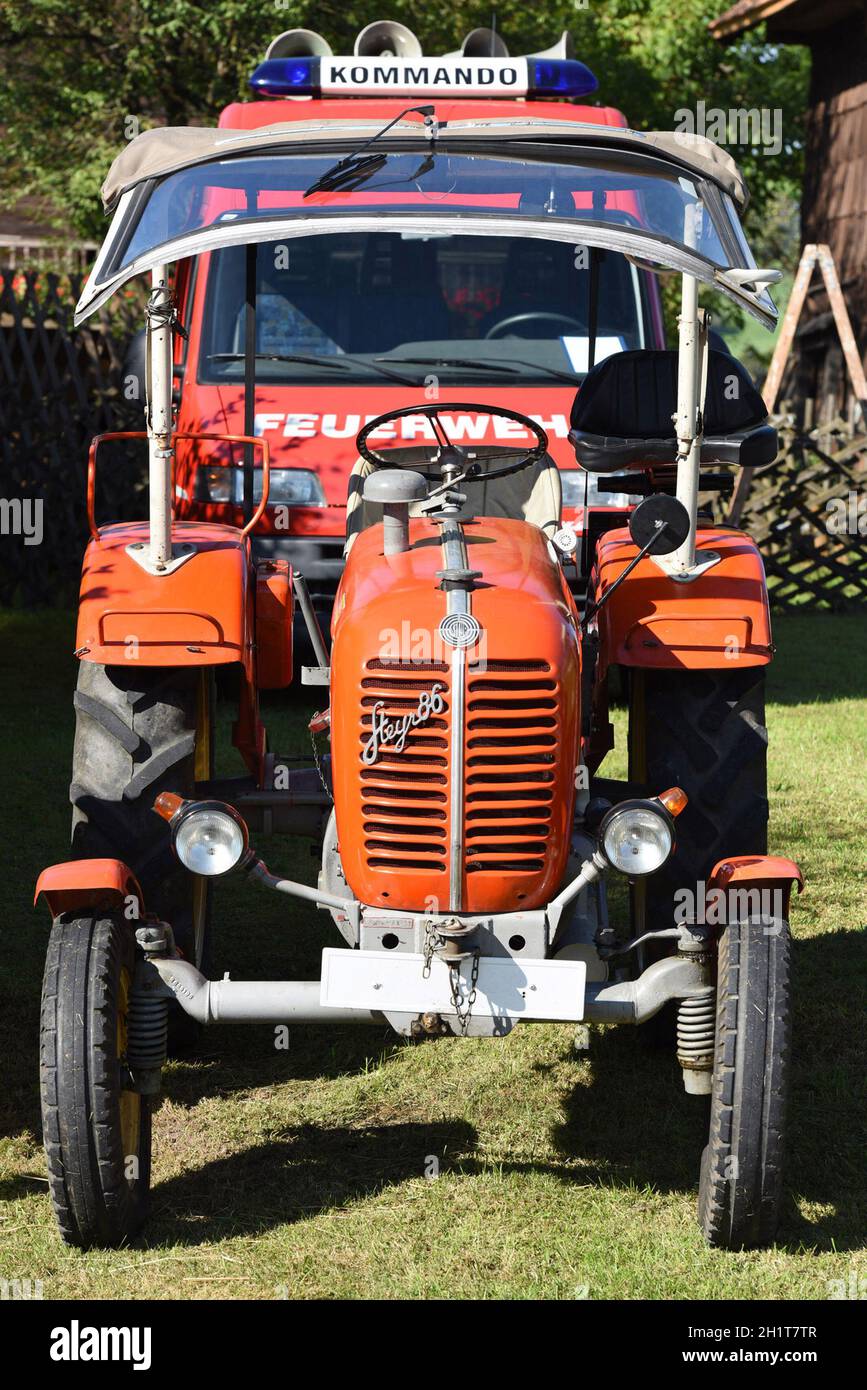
x: 90, y: 883
x: 652, y: 620
x: 200, y: 614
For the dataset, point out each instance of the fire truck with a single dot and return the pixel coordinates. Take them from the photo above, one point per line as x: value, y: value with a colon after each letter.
x: 365, y: 322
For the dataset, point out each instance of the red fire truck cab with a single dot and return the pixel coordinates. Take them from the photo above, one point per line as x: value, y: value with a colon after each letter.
x: 359, y: 323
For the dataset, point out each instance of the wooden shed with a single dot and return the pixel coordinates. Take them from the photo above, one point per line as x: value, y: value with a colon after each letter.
x: 834, y: 202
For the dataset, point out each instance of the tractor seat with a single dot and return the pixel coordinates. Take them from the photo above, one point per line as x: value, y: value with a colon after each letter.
x: 622, y: 415
x: 533, y: 494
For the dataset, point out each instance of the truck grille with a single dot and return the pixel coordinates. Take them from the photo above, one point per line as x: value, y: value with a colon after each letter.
x: 405, y: 796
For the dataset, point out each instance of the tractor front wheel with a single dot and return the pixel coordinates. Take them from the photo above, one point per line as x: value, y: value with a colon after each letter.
x: 97, y: 1132
x: 741, y: 1169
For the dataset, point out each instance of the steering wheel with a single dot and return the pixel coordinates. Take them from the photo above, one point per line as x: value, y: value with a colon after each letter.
x: 540, y: 315
x: 452, y: 459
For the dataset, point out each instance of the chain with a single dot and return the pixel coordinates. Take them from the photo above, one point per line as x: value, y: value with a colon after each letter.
x: 318, y: 761
x: 464, y: 1010
x: 430, y: 939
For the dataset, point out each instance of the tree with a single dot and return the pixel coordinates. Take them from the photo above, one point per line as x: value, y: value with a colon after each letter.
x: 75, y: 82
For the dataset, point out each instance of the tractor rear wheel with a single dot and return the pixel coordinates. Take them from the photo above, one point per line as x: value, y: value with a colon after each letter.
x: 703, y: 731
x: 741, y: 1169
x: 141, y: 731
x: 97, y: 1132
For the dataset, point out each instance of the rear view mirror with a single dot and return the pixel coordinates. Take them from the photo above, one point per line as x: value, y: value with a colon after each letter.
x: 660, y: 523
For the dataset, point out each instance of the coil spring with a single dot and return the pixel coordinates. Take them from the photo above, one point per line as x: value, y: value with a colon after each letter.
x: 147, y: 1030
x: 696, y: 1030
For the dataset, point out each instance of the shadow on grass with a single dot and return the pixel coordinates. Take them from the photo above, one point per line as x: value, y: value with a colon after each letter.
x: 819, y: 658
x: 632, y: 1126
x: 638, y: 1126
x: 238, y: 1058
x: 307, y: 1171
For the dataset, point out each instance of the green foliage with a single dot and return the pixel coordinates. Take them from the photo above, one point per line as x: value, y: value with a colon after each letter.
x: 72, y: 77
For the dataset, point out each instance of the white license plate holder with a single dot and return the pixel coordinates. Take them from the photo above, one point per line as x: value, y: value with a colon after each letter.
x: 392, y: 982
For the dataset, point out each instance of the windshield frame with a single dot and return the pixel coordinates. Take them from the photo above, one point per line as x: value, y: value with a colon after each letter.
x: 652, y: 249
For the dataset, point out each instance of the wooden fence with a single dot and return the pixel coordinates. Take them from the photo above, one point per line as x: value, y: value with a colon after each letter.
x: 807, y: 512
x: 59, y: 387
x: 47, y: 253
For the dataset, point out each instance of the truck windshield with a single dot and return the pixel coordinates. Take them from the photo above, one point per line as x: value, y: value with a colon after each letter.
x: 439, y: 304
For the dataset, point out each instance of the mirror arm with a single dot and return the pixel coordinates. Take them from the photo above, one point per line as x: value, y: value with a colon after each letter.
x: 660, y: 528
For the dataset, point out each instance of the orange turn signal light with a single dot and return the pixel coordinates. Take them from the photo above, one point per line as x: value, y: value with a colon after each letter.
x: 674, y: 800
x: 167, y: 805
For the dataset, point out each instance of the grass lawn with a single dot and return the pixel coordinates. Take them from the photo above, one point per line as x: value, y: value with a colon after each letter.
x: 302, y: 1173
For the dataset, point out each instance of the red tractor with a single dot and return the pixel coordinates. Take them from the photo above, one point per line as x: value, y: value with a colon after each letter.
x: 466, y: 831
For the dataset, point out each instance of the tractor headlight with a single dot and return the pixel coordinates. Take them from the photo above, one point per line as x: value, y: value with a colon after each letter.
x: 208, y: 837
x: 637, y: 837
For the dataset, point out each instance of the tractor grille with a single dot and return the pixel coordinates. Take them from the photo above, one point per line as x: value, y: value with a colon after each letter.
x: 405, y: 796
x: 513, y: 718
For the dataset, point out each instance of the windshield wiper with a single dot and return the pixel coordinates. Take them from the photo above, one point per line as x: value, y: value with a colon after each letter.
x: 345, y: 171
x: 343, y: 362
x: 456, y: 362
x: 574, y: 377
x: 347, y: 175
x: 488, y: 364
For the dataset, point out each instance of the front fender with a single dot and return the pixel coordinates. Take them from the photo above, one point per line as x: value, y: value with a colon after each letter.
x: 747, y: 874
x: 655, y: 621
x: 90, y: 883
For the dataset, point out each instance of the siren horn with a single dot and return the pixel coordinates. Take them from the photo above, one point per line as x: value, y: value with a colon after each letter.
x: 481, y: 43
x: 564, y: 48
x: 299, y: 43
x: 385, y: 38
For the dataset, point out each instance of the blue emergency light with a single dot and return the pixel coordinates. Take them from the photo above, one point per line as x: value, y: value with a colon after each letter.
x: 454, y: 77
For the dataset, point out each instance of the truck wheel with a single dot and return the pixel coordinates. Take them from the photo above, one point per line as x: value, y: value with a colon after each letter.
x: 97, y: 1134
x: 703, y: 731
x: 140, y: 731
x: 742, y: 1167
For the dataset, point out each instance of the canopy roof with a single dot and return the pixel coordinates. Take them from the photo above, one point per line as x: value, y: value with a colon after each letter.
x: 167, y: 149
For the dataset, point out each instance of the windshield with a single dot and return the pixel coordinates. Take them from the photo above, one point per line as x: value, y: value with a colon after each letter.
x: 645, y: 195
x: 421, y: 304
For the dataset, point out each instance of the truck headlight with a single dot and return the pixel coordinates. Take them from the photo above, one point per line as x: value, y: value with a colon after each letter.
x: 289, y: 487
x: 637, y: 837
x: 208, y: 837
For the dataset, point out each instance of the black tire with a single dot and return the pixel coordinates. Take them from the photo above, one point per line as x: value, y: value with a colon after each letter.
x: 740, y: 1191
x: 703, y: 731
x: 141, y: 731
x: 97, y: 1134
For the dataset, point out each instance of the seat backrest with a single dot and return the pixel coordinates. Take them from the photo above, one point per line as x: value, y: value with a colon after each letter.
x: 634, y: 395
x: 533, y: 494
